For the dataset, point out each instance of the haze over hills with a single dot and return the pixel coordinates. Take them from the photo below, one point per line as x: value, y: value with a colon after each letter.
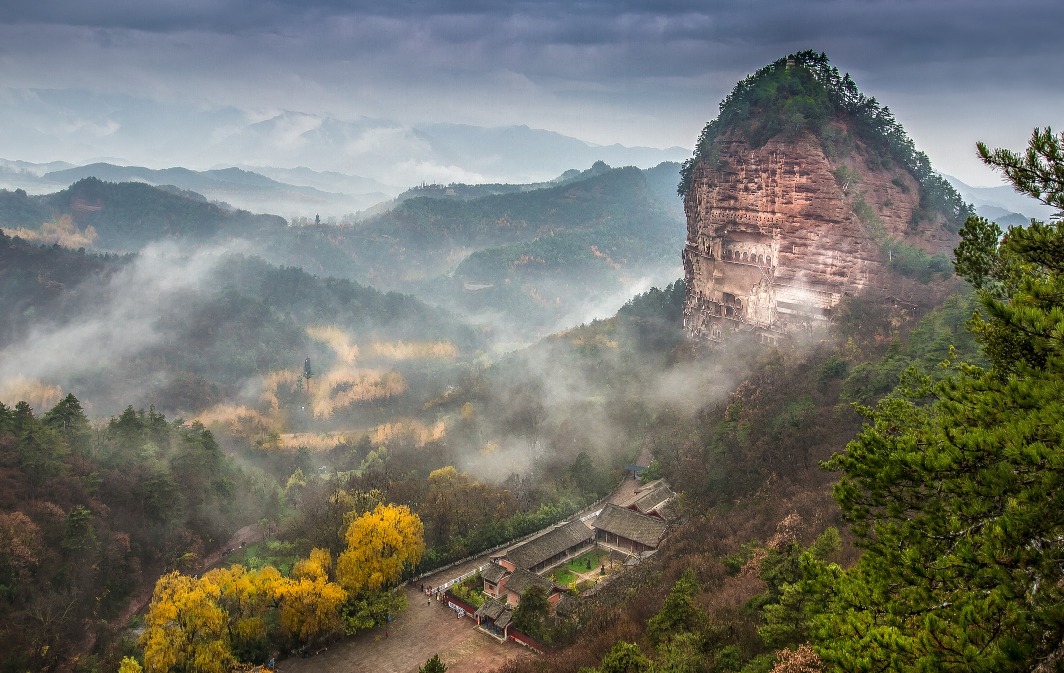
x: 1001, y: 204
x: 317, y: 401
x: 524, y: 259
x: 291, y: 192
x: 80, y: 127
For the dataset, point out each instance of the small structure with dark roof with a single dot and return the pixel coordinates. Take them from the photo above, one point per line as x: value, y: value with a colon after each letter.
x: 628, y: 530
x: 633, y: 470
x: 551, y: 548
x: 493, y: 575
x: 520, y: 580
x: 495, y: 617
x: 652, y: 499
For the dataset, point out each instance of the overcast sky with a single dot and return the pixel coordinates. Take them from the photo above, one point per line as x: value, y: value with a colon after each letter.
x: 618, y: 71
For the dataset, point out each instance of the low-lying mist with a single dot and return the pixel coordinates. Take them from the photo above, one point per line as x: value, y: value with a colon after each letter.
x: 104, y: 323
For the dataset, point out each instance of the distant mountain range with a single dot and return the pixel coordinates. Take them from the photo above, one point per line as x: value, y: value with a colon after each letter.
x: 532, y: 258
x: 243, y: 189
x: 1003, y: 204
x: 360, y: 156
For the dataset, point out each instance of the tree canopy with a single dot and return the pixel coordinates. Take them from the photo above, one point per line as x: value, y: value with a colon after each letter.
x: 953, y: 491
x: 380, y: 545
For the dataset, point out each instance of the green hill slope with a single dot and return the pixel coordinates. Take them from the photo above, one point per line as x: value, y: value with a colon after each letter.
x: 189, y: 330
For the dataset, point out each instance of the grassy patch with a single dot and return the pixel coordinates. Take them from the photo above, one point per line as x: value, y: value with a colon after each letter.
x: 280, y: 555
x: 580, y: 563
x: 562, y: 576
x: 469, y: 594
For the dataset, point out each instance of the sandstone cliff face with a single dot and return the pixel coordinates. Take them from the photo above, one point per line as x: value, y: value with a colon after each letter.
x: 777, y: 235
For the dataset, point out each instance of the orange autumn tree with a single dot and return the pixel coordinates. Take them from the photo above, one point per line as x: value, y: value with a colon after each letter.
x: 380, y: 545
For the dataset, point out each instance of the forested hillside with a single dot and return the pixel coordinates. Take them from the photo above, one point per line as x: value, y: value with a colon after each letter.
x: 914, y: 531
x: 91, y: 514
x: 520, y: 259
x: 190, y: 331
x: 124, y: 217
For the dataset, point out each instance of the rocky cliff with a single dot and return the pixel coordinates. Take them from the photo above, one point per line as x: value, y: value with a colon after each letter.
x: 780, y: 230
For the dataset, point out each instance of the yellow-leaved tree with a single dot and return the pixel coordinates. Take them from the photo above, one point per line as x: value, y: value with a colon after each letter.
x: 310, y: 603
x: 380, y: 544
x: 236, y: 614
x: 130, y: 665
x: 185, y: 629
x: 248, y: 597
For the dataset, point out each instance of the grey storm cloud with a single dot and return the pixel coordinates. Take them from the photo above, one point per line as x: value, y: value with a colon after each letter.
x: 635, y: 72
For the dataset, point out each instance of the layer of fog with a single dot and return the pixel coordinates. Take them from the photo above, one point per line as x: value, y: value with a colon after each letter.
x: 115, y: 319
x: 568, y: 411
x: 113, y: 322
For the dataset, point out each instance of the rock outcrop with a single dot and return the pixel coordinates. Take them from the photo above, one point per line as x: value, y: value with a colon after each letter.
x: 777, y: 235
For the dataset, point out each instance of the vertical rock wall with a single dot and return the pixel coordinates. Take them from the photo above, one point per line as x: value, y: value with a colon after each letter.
x: 774, y: 240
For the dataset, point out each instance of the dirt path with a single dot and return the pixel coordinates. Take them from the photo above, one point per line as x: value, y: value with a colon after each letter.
x: 246, y: 535
x: 423, y: 629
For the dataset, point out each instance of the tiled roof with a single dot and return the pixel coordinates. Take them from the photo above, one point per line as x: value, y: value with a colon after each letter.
x: 493, y: 573
x: 652, y: 497
x: 497, y: 611
x: 521, y: 579
x: 669, y: 511
x: 632, y: 525
x: 551, y: 543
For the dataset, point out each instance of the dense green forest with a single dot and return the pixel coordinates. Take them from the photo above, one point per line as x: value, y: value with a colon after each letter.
x: 90, y: 514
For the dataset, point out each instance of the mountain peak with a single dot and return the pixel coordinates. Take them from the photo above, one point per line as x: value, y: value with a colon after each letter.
x: 802, y: 93
x: 801, y: 192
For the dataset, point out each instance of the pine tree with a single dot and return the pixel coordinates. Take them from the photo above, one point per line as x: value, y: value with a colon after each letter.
x: 433, y: 665
x: 678, y: 614
x: 954, y: 490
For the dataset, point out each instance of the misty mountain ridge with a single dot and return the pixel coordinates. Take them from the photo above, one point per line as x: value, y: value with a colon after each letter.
x: 536, y: 261
x: 530, y: 259
x: 30, y: 169
x: 73, y: 125
x: 231, y: 186
x: 123, y: 217
x: 1003, y: 204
